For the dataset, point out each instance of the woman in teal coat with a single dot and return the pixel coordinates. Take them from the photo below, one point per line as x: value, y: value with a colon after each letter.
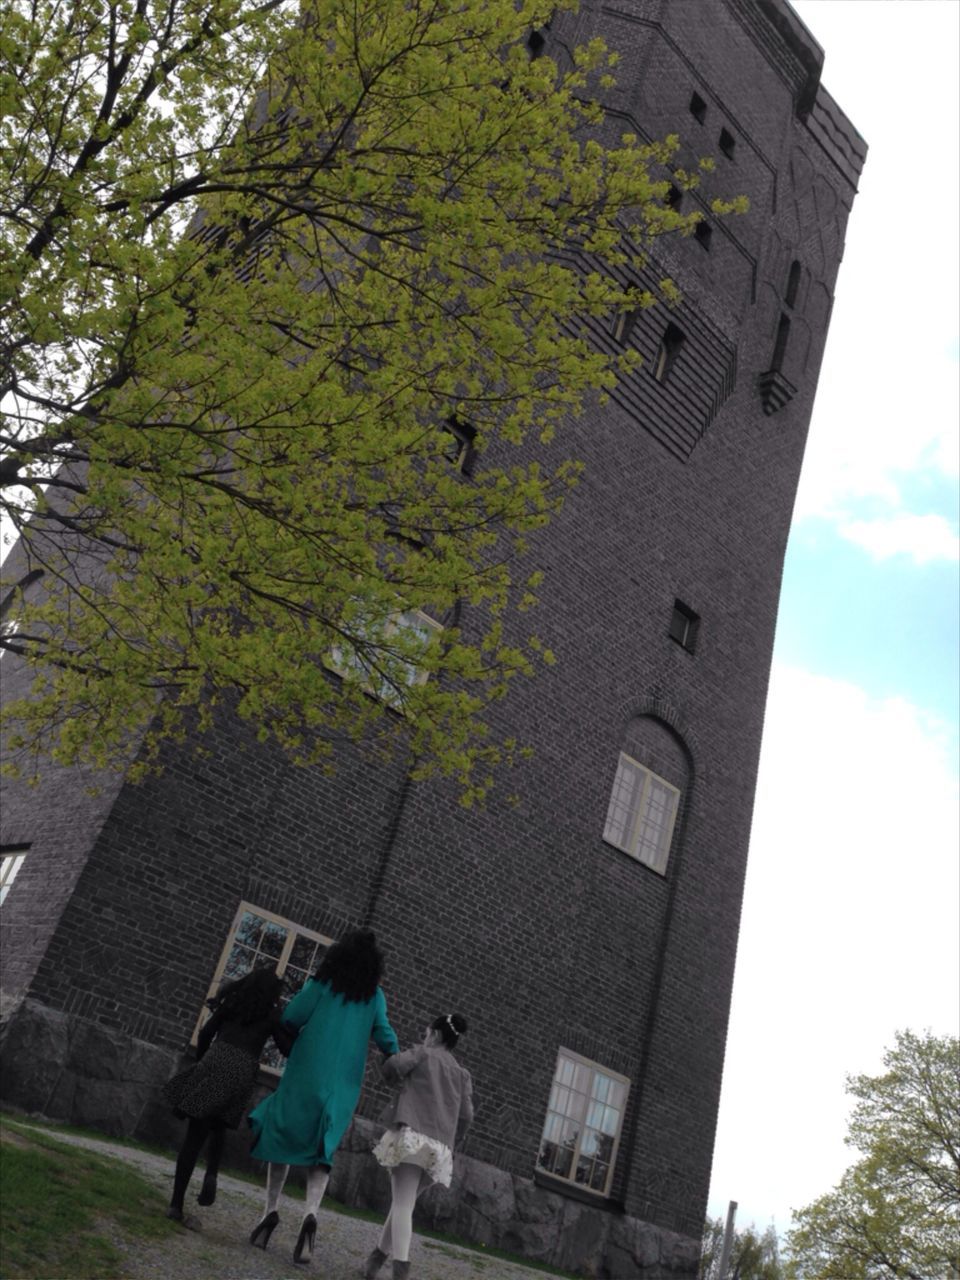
x: 303, y: 1120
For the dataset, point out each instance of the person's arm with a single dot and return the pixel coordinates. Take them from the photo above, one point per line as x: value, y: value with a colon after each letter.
x: 399, y: 1065
x: 465, y: 1119
x: 207, y: 1032
x: 382, y: 1033
x: 303, y: 1004
x: 284, y: 1037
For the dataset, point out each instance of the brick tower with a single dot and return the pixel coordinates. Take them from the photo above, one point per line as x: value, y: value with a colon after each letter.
x: 588, y: 930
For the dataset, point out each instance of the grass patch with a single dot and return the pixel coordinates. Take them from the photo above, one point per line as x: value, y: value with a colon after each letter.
x: 57, y: 1202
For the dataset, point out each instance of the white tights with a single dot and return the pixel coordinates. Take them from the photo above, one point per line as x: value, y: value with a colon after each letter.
x: 406, y: 1183
x: 318, y: 1176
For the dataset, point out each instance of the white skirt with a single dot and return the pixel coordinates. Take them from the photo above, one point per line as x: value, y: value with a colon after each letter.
x: 403, y: 1145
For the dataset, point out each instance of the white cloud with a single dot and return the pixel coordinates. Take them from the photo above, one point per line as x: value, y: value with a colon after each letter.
x: 887, y: 400
x: 850, y: 930
x: 924, y: 538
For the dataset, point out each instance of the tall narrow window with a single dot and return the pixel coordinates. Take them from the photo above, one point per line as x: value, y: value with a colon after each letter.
x: 728, y: 143
x: 10, y: 864
x: 698, y: 108
x: 670, y: 345
x: 624, y: 324
x: 780, y: 346
x: 703, y: 233
x: 641, y: 814
x: 793, y: 284
x: 584, y: 1119
x: 674, y: 198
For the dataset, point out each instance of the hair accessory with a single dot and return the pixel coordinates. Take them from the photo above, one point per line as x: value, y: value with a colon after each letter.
x: 449, y: 1021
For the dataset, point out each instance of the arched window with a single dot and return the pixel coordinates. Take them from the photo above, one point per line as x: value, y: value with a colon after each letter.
x: 645, y: 799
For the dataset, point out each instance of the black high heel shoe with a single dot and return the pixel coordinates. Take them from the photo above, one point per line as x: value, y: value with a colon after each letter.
x: 265, y: 1229
x: 307, y: 1236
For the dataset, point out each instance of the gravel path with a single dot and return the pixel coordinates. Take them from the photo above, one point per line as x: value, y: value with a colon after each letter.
x: 220, y: 1250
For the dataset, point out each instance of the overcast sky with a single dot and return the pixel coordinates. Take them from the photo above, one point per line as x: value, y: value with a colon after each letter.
x: 850, y: 923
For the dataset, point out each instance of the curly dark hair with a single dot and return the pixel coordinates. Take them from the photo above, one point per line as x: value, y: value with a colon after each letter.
x: 353, y: 966
x: 250, y: 998
x: 451, y: 1027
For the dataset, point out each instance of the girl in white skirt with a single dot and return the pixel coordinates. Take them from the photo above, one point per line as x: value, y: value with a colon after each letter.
x: 430, y: 1113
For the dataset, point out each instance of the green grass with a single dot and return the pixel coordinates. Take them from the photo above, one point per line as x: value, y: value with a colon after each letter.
x: 54, y: 1200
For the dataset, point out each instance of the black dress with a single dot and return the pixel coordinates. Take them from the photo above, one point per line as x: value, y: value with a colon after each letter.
x: 218, y: 1085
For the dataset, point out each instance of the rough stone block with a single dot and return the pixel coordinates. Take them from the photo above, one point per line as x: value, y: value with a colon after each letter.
x: 34, y: 1051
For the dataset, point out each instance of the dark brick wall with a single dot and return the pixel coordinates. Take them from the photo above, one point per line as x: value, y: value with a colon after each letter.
x: 518, y: 914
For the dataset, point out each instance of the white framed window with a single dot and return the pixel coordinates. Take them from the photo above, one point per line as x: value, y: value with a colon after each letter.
x: 581, y: 1133
x: 10, y: 864
x: 390, y: 666
x: 259, y: 937
x: 641, y: 814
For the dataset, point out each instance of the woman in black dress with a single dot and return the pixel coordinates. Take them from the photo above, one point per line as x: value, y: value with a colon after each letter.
x: 212, y: 1095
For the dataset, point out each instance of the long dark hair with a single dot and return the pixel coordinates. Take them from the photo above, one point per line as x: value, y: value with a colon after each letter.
x: 353, y: 966
x: 251, y: 997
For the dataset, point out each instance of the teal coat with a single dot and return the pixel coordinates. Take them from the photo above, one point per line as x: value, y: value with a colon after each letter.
x: 303, y: 1120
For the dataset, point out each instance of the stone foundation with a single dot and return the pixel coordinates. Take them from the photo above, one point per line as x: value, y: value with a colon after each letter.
x: 66, y: 1068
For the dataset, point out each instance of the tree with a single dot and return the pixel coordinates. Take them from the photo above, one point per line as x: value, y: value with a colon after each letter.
x: 753, y: 1256
x: 275, y: 270
x: 895, y: 1214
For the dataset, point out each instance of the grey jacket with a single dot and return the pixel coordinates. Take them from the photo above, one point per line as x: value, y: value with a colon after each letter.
x: 435, y: 1095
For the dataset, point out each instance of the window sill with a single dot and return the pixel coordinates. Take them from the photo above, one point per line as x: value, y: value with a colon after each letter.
x: 573, y: 1191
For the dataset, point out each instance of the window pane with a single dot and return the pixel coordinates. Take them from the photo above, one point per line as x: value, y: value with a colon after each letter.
x: 248, y: 930
x: 272, y: 940
x: 548, y: 1156
x: 304, y: 953
x: 588, y: 1147
x: 583, y: 1170
x: 595, y: 1114
x: 239, y: 962
x: 627, y: 788
x: 601, y: 1086
x: 563, y: 1161
x: 581, y: 1078
x: 598, y: 1179
x: 616, y: 1094
x: 611, y: 1119
x: 565, y: 1071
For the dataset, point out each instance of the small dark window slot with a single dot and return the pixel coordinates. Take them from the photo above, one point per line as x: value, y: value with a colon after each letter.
x: 728, y: 143
x: 698, y: 108
x: 670, y: 345
x: 624, y: 325
x: 780, y: 346
x: 703, y: 233
x: 684, y: 626
x: 793, y: 284
x: 674, y: 198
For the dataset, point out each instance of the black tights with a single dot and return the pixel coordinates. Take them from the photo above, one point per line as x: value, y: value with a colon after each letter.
x: 198, y: 1132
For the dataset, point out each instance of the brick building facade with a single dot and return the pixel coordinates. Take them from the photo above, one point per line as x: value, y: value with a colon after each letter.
x: 589, y: 929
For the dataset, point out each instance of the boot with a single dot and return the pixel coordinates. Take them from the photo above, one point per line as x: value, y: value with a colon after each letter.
x: 401, y: 1270
x: 373, y: 1264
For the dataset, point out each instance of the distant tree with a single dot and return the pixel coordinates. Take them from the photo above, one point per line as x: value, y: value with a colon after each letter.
x: 753, y: 1256
x: 895, y: 1214
x: 276, y: 274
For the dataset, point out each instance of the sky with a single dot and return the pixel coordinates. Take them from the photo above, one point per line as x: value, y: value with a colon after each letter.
x: 851, y: 917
